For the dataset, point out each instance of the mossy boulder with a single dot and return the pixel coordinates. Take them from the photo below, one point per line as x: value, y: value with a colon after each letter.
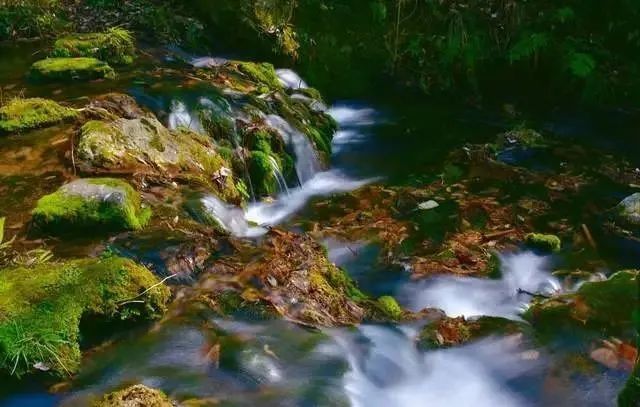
x: 95, y: 204
x: 144, y: 145
x: 262, y: 175
x: 260, y: 73
x: 26, y: 114
x: 609, y: 304
x: 70, y: 69
x: 115, y: 46
x: 447, y: 332
x: 135, y: 396
x: 627, y: 212
x: 41, y: 307
x: 543, y: 243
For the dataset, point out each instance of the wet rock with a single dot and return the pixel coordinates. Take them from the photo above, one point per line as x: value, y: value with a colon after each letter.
x: 96, y: 204
x: 115, y: 46
x: 291, y: 276
x: 42, y: 305
x: 544, y: 243
x: 135, y: 396
x: 70, y: 69
x: 598, y: 304
x: 21, y: 115
x: 627, y: 213
x: 447, y: 332
x: 116, y: 105
x: 144, y: 145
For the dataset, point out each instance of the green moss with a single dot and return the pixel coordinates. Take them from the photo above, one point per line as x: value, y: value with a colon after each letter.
x: 261, y: 173
x: 542, y: 242
x: 70, y: 69
x: 93, y: 204
x: 390, y: 307
x: 311, y: 92
x: 132, y: 396
x: 115, y: 46
x: 41, y: 308
x: 263, y: 73
x: 494, y: 270
x: 27, y: 114
x: 447, y: 332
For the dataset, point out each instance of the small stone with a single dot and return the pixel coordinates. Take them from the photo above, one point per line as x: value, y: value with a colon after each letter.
x: 428, y: 205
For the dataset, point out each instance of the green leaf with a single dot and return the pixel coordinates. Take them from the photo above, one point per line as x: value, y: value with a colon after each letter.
x: 528, y: 46
x: 581, y: 65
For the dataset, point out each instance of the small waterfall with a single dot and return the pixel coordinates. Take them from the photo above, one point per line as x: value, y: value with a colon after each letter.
x: 467, y: 296
x: 307, y: 162
x: 290, y: 79
x: 230, y: 217
x: 181, y: 117
x: 277, y: 173
x: 386, y: 369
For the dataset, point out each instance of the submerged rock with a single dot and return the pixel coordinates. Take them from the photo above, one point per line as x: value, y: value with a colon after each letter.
x: 92, y: 204
x: 69, y: 69
x: 447, y: 332
x: 115, y: 46
x: 26, y: 114
x: 42, y: 305
x: 608, y: 303
x: 135, y: 396
x: 144, y: 145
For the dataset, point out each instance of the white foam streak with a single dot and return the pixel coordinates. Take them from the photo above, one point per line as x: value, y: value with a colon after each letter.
x: 230, y: 217
x: 460, y: 296
x: 290, y: 79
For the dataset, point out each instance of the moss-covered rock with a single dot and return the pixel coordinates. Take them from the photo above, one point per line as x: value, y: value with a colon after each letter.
x: 261, y: 172
x: 608, y: 303
x: 115, y: 46
x: 544, y: 243
x: 263, y: 73
x: 92, y: 204
x: 627, y: 212
x: 70, y: 69
x: 41, y: 307
x: 135, y: 396
x: 145, y: 145
x: 390, y: 307
x: 26, y: 114
x: 630, y: 395
x: 447, y: 332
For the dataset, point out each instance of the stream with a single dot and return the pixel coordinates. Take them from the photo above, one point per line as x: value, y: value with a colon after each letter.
x: 277, y: 363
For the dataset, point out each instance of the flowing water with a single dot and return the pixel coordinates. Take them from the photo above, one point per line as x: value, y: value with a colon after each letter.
x: 275, y: 363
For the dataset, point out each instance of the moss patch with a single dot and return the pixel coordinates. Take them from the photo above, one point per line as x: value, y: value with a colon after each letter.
x: 389, y: 307
x: 69, y: 69
x: 263, y: 73
x: 27, y: 114
x: 115, y: 46
x: 92, y: 204
x: 261, y: 173
x: 545, y: 243
x: 447, y: 332
x: 41, y: 308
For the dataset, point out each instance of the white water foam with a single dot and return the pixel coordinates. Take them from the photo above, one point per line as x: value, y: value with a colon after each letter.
x: 465, y: 296
x: 386, y: 369
x: 180, y: 116
x: 231, y: 218
x: 290, y: 79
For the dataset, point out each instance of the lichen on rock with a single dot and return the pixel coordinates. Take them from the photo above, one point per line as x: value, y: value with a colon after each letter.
x: 20, y: 115
x: 41, y: 307
x: 69, y: 69
x: 94, y: 204
x: 115, y: 46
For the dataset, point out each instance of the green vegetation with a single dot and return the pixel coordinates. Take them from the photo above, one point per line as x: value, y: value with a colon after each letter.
x: 263, y: 73
x: 390, y: 307
x: 261, y: 172
x: 93, y: 205
x: 41, y: 308
x: 115, y: 46
x: 32, y: 18
x: 25, y: 114
x: 545, y: 243
x: 68, y: 69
